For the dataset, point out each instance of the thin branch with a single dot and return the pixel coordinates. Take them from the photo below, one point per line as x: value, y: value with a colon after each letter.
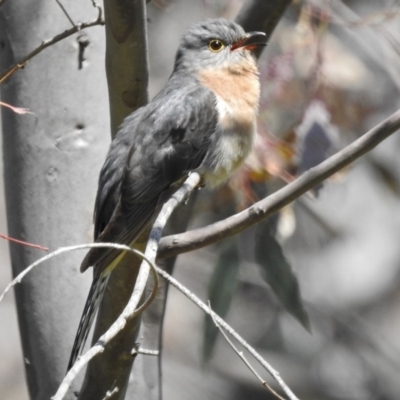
x: 21, y: 242
x: 241, y: 355
x: 17, y: 110
x: 275, y: 374
x: 62, y: 250
x: 2, y: 2
x: 131, y: 310
x: 198, y: 238
x: 99, y: 9
x: 146, y: 352
x: 10, y: 71
x: 49, y: 42
x: 66, y: 13
x: 110, y: 393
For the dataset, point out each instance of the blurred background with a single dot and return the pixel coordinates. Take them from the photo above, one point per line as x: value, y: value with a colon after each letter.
x: 316, y: 288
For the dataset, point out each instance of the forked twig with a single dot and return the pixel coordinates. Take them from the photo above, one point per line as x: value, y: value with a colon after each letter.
x: 49, y: 42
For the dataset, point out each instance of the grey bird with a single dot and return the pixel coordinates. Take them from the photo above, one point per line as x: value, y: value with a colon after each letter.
x: 203, y: 120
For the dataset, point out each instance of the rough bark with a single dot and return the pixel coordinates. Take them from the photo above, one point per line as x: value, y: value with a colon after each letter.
x: 51, y: 162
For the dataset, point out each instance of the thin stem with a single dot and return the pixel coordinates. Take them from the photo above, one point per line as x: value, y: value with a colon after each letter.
x: 275, y: 374
x: 65, y: 13
x: 241, y: 355
x: 21, y: 242
x: 49, y: 42
x: 63, y: 250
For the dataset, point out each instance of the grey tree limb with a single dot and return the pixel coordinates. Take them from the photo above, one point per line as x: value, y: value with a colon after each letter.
x: 198, y: 238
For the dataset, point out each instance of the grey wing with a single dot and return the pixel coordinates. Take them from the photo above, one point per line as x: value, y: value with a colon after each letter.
x: 170, y: 140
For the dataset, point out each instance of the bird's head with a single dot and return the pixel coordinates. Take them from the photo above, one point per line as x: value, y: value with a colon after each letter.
x: 217, y: 43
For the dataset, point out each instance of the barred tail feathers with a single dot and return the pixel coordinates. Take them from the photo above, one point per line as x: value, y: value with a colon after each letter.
x: 92, y: 304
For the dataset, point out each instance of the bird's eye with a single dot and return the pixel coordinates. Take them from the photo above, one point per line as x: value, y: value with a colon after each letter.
x: 215, y: 45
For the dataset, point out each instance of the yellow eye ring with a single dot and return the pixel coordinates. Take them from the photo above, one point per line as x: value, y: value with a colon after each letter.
x: 215, y: 45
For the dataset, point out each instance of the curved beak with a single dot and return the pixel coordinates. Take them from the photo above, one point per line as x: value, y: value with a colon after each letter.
x: 251, y: 41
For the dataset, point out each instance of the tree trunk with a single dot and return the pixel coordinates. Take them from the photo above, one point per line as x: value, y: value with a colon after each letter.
x: 51, y: 163
x: 127, y: 76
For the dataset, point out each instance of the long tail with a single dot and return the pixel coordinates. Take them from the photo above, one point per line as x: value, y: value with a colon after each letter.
x: 92, y: 304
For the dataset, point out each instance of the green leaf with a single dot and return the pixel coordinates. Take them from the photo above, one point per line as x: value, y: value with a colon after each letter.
x: 220, y: 292
x: 277, y: 272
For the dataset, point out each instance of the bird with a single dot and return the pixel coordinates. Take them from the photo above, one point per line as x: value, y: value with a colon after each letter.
x: 203, y: 120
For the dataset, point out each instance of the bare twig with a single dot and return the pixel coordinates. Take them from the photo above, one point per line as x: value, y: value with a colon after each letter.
x: 17, y: 110
x: 99, y: 9
x: 111, y: 393
x: 21, y: 242
x: 198, y: 238
x: 275, y: 374
x: 63, y: 250
x: 241, y: 355
x: 49, y: 42
x: 130, y: 310
x: 65, y: 13
x: 10, y: 71
x: 146, y: 352
x: 2, y: 2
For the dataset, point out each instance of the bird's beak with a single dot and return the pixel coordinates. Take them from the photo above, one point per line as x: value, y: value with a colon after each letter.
x: 251, y: 41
